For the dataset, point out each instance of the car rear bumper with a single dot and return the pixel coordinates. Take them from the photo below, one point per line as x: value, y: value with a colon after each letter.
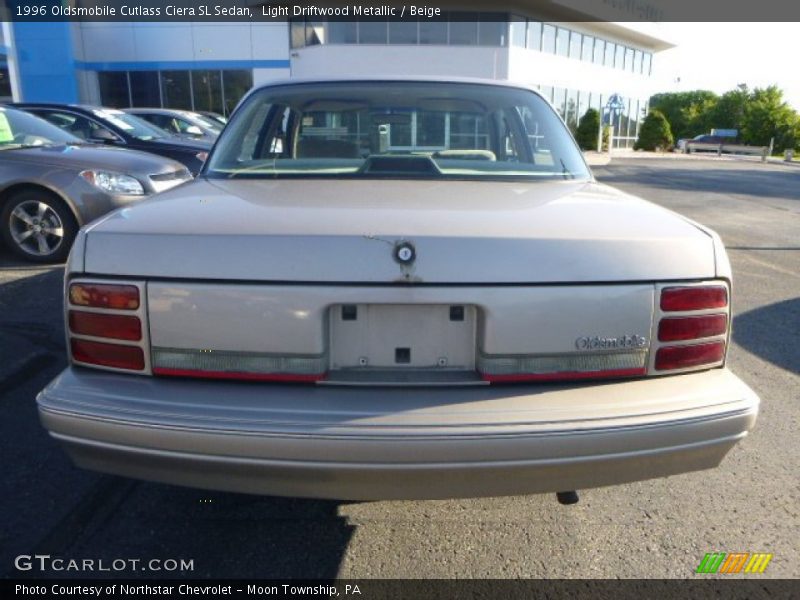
x: 390, y: 443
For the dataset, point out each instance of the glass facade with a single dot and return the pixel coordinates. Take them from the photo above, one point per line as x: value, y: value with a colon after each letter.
x: 517, y: 32
x: 572, y: 105
x: 213, y: 90
x: 466, y: 32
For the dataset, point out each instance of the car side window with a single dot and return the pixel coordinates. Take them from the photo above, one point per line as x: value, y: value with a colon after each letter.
x: 164, y: 122
x: 77, y: 125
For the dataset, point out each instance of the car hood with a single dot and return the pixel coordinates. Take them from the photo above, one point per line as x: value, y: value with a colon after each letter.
x: 81, y: 157
x: 348, y: 230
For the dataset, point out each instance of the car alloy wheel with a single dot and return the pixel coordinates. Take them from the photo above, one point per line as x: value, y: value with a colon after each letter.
x: 38, y: 227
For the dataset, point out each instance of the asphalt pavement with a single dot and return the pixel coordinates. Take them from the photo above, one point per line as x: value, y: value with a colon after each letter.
x: 651, y: 529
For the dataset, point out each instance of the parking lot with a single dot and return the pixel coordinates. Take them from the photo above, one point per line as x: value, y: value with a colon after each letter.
x: 659, y: 528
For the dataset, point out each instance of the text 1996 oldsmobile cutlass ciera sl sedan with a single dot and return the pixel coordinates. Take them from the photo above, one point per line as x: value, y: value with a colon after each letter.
x: 397, y: 289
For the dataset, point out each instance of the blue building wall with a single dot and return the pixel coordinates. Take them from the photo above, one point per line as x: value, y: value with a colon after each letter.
x: 46, y: 62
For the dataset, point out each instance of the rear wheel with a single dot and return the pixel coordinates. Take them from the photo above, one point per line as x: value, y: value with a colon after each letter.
x: 37, y: 225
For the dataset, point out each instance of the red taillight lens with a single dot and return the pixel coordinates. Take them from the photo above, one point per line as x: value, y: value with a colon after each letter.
x: 691, y: 328
x: 693, y: 298
x: 683, y: 357
x: 121, y: 297
x: 118, y: 327
x: 108, y: 355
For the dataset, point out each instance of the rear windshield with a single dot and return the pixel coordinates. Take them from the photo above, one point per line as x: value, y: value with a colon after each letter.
x: 396, y: 129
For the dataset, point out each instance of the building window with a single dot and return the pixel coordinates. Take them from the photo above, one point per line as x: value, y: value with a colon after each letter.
x: 433, y: 32
x: 235, y: 84
x: 207, y: 91
x: 463, y: 33
x: 587, y: 49
x: 629, y: 59
x: 619, y: 57
x: 559, y: 100
x: 403, y: 32
x: 492, y: 33
x: 5, y: 81
x: 114, y: 88
x: 342, y: 32
x: 217, y: 91
x: 562, y: 42
x: 145, y: 90
x: 599, y: 50
x: 372, y: 32
x: 647, y: 63
x: 575, y: 40
x: 583, y: 103
x: 176, y: 90
x: 534, y: 35
x: 548, y: 38
x: 297, y: 33
x: 518, y: 33
x: 637, y: 62
x: 611, y: 49
x: 572, y: 110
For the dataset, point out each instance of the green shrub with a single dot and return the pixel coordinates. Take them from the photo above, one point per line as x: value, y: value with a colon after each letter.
x: 655, y: 133
x: 588, y: 126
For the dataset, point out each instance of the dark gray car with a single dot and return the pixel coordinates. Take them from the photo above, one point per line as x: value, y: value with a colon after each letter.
x: 52, y: 183
x: 183, y: 123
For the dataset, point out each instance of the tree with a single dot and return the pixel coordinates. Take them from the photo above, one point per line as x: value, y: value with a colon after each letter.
x: 655, y: 133
x: 688, y: 113
x: 767, y: 116
x: 728, y: 113
x: 589, y: 125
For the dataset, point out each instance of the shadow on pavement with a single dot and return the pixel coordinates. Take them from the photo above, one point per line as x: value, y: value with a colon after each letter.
x: 770, y: 332
x: 771, y: 183
x: 224, y: 535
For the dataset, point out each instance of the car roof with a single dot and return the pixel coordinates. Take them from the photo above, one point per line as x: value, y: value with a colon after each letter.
x: 394, y: 79
x: 161, y: 111
x: 397, y: 79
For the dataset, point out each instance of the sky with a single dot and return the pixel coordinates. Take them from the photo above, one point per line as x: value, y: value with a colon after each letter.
x: 719, y: 56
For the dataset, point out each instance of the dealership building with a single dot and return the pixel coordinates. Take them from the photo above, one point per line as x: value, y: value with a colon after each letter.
x: 209, y: 66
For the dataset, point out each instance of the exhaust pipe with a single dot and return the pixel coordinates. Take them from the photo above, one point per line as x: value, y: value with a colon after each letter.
x: 567, y: 497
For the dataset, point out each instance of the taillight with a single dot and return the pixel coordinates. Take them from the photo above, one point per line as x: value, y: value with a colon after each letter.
x: 691, y: 328
x: 697, y: 336
x: 683, y: 357
x: 120, y: 297
x: 108, y: 355
x: 693, y: 298
x: 117, y: 327
x: 112, y: 316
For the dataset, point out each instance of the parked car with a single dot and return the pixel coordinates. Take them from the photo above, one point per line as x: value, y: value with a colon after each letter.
x: 703, y: 143
x: 117, y: 128
x: 52, y: 183
x: 397, y: 289
x: 182, y: 123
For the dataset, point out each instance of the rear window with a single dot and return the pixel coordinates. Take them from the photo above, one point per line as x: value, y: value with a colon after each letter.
x: 396, y: 129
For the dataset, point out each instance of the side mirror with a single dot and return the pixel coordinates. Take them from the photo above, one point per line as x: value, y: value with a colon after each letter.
x: 194, y: 130
x: 103, y: 136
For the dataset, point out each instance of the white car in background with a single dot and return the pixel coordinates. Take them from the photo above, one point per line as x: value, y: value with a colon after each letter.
x: 397, y: 289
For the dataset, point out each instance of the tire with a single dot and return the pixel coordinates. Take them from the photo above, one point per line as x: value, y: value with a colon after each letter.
x: 36, y: 225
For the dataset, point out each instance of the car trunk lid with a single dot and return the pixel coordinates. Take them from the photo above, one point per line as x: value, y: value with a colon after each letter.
x: 348, y: 231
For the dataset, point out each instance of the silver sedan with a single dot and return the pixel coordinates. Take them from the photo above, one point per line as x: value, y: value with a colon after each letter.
x: 52, y: 183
